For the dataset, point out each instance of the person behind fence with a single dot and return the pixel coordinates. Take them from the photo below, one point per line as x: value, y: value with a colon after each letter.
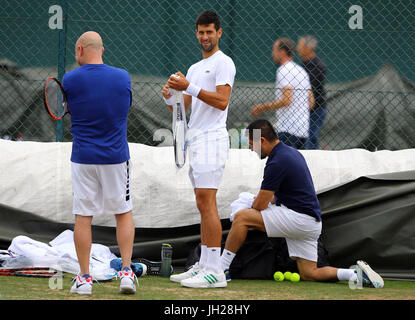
x: 286, y: 206
x: 207, y: 88
x: 316, y: 69
x: 99, y: 97
x: 294, y: 97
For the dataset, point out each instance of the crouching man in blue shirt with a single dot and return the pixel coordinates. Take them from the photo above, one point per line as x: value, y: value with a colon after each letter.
x: 294, y: 213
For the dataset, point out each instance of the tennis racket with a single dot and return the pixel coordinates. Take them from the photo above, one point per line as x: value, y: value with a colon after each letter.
x: 54, y: 98
x: 34, y: 272
x: 179, y: 129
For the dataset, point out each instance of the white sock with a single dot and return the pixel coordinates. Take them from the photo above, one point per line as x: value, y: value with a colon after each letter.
x: 203, y: 256
x: 213, y: 260
x: 346, y: 274
x: 226, y: 259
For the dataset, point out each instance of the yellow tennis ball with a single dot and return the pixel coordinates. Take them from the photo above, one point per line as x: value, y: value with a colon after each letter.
x: 295, y: 277
x: 278, y: 276
x: 287, y: 275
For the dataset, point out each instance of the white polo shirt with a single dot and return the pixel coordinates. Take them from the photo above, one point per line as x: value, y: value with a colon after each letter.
x: 294, y: 118
x: 208, y: 73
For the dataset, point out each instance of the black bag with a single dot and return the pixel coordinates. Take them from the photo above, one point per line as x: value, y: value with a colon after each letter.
x: 259, y: 257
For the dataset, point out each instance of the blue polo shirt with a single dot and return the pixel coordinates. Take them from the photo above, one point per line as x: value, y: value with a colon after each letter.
x: 99, y: 97
x: 287, y: 174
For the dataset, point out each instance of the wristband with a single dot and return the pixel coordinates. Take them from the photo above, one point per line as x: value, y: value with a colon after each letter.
x: 193, y: 90
x: 170, y: 101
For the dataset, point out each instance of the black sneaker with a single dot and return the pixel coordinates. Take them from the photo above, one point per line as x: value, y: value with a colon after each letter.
x: 153, y: 267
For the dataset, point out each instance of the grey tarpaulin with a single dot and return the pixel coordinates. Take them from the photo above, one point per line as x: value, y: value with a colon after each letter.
x: 370, y: 218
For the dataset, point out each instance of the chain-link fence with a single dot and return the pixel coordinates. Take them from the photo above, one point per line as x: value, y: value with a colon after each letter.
x: 368, y: 50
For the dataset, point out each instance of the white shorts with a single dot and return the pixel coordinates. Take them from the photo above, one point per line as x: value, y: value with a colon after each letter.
x: 207, y: 154
x: 301, y: 231
x: 101, y: 189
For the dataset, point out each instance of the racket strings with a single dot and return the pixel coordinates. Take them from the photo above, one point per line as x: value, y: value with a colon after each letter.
x: 55, y: 98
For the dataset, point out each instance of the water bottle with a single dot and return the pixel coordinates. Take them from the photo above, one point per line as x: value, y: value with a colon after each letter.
x: 166, y: 255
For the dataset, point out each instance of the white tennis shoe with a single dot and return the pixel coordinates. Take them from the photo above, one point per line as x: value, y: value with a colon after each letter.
x: 82, y: 285
x: 369, y: 277
x: 193, y: 271
x: 127, y: 284
x: 206, y: 279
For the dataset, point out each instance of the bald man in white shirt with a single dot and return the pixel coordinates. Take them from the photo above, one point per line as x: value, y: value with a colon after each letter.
x: 294, y: 97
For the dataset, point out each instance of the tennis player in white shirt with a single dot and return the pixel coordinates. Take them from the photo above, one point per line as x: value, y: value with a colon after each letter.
x: 207, y: 88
